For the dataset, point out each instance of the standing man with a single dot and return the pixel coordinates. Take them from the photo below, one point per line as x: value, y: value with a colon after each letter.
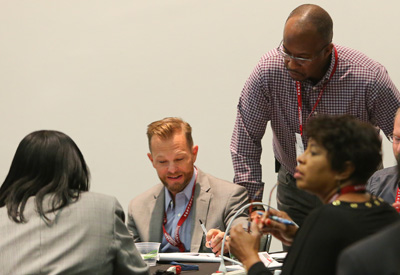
x: 305, y: 75
x: 169, y: 212
x: 385, y: 183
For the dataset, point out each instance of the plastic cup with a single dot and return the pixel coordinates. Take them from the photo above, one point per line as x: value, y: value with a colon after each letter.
x: 149, y: 252
x: 233, y: 258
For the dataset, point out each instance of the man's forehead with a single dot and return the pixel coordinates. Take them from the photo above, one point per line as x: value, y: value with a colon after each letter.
x: 297, y: 26
x: 176, y: 145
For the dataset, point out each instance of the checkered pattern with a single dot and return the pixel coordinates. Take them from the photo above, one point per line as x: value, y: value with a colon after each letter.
x: 360, y: 87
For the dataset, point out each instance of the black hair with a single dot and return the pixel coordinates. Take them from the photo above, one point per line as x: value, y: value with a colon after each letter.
x: 46, y: 162
x: 348, y: 139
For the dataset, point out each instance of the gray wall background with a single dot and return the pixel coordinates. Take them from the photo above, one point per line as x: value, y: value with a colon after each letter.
x: 101, y: 71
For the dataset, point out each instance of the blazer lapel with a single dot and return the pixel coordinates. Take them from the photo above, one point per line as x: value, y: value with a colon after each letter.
x: 157, y: 216
x: 201, y: 206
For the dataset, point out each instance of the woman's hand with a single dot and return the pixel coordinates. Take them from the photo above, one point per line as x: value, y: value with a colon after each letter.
x: 284, y: 233
x: 244, y: 245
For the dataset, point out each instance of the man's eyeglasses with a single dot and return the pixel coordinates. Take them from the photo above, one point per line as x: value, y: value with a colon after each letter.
x: 299, y: 60
x: 394, y: 139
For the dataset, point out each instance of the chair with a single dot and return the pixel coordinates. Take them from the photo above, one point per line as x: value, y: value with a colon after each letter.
x: 265, y: 242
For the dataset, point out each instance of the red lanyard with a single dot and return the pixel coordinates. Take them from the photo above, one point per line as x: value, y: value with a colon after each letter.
x: 177, y: 241
x: 299, y: 101
x: 347, y: 189
x: 398, y: 198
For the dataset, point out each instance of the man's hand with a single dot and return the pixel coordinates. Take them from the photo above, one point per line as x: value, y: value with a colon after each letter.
x: 256, y: 214
x: 214, y: 241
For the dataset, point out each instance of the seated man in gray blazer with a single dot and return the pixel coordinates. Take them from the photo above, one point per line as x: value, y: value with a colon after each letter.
x: 169, y: 212
x: 384, y: 183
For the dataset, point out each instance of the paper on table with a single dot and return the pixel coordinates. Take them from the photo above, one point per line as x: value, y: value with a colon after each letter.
x: 234, y: 267
x: 278, y: 256
x: 193, y: 257
x: 268, y: 260
x: 189, y: 257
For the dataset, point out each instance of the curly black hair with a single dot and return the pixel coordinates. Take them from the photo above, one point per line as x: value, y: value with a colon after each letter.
x: 348, y: 139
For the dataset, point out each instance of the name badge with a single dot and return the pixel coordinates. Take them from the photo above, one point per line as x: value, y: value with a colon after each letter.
x: 299, y: 145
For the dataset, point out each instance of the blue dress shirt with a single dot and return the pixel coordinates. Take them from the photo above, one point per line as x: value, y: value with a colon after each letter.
x: 174, y: 213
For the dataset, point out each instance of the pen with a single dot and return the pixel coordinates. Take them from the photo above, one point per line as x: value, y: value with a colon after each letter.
x: 203, y: 227
x: 281, y: 220
x: 186, y: 266
x: 205, y: 231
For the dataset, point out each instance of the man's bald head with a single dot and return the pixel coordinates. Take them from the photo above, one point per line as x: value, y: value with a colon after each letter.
x: 311, y: 17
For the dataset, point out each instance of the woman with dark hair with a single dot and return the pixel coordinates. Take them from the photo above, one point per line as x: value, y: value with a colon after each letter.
x: 342, y: 154
x: 50, y: 224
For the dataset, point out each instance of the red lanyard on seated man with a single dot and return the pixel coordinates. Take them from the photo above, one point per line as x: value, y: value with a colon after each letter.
x: 397, y: 199
x: 177, y: 241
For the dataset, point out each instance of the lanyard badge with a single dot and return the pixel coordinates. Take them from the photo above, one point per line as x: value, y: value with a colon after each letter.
x: 177, y: 241
x: 299, y: 141
x: 299, y: 101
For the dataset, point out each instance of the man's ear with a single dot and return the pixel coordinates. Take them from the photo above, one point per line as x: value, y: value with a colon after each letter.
x: 150, y: 158
x: 195, y: 149
x: 328, y: 50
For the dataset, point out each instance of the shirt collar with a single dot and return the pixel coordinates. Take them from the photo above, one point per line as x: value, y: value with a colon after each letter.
x: 325, y: 78
x: 328, y: 73
x: 187, y: 191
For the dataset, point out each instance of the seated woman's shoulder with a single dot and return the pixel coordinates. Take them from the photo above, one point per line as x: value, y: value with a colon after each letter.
x: 96, y: 201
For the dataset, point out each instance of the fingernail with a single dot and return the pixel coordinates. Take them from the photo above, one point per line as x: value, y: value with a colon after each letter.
x: 268, y: 222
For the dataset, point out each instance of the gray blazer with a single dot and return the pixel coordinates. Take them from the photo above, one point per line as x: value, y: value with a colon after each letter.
x: 86, y: 237
x: 215, y: 202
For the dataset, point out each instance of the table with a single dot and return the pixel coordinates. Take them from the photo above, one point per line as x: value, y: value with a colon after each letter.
x: 204, y: 268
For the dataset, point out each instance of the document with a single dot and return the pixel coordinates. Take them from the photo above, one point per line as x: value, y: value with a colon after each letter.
x: 278, y: 256
x: 189, y: 257
x: 267, y: 259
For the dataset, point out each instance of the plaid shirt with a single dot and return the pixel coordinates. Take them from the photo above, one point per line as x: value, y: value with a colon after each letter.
x: 360, y: 87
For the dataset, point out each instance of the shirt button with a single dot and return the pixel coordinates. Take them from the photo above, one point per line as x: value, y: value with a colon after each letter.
x: 179, y: 214
x: 314, y: 88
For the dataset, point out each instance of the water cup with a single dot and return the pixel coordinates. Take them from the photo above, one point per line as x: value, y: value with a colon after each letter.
x: 233, y: 258
x: 149, y: 252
